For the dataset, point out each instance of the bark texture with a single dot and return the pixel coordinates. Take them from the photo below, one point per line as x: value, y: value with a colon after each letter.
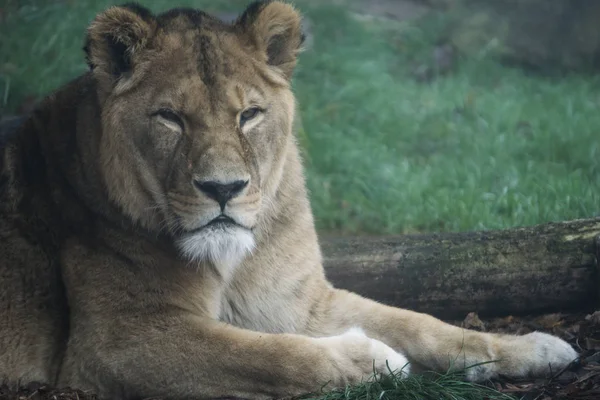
x: 551, y: 267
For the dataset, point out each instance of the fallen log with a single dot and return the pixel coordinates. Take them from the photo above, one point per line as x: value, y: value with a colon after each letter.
x: 544, y: 268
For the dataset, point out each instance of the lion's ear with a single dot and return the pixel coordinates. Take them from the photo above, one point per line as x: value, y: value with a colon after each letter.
x: 275, y: 28
x: 115, y: 37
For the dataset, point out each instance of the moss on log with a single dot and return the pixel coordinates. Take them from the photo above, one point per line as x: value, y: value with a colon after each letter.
x: 551, y: 267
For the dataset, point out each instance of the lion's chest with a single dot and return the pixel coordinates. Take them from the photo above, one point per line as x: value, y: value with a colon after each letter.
x: 264, y: 306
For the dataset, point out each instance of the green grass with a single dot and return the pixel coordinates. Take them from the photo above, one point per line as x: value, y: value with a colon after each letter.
x: 430, y: 387
x: 485, y: 147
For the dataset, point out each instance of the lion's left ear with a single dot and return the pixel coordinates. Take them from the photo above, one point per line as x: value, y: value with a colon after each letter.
x: 275, y: 28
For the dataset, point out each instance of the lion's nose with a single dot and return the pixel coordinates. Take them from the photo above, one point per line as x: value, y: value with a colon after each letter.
x: 220, y: 192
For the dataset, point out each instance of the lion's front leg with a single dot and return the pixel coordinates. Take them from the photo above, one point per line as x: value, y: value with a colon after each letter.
x: 434, y: 344
x: 178, y: 355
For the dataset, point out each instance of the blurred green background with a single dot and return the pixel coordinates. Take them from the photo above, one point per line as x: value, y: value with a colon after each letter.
x: 423, y: 115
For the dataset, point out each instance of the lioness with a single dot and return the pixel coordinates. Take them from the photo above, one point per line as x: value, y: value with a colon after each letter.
x: 156, y: 237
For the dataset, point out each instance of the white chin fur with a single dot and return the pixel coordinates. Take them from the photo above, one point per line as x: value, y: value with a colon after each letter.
x: 220, y: 245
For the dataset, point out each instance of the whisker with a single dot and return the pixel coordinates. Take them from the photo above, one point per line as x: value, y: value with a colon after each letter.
x: 183, y: 197
x: 198, y: 204
x: 186, y: 209
x: 242, y: 202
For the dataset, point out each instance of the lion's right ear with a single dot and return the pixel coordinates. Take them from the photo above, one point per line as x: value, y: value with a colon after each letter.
x: 115, y: 37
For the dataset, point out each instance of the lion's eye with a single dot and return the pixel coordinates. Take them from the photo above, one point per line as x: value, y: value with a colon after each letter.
x: 171, y: 116
x: 248, y: 114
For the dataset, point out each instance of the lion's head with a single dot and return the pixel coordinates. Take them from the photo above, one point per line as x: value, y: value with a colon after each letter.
x: 196, y: 119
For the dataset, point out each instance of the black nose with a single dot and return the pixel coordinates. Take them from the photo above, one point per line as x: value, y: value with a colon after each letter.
x: 220, y: 192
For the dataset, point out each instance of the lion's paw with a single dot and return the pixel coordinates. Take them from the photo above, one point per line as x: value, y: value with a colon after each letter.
x: 547, y: 354
x: 357, y: 357
x: 535, y: 354
x: 385, y: 358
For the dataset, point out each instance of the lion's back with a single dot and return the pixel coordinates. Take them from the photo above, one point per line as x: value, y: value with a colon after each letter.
x: 33, y: 309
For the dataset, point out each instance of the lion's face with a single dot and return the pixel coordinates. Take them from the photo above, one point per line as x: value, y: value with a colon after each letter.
x: 197, y: 116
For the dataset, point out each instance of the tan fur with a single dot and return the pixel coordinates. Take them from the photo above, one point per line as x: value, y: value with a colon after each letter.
x: 113, y: 283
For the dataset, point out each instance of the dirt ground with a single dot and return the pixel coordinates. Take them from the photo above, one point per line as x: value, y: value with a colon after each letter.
x: 580, y: 381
